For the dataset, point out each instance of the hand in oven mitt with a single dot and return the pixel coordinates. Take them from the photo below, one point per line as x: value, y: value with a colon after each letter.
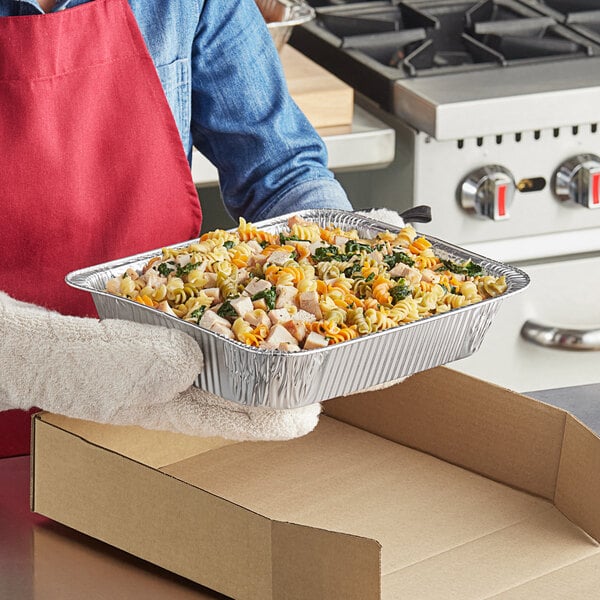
x: 385, y: 215
x: 124, y: 373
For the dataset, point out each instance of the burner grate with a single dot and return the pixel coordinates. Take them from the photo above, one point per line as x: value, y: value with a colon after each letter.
x: 582, y: 16
x: 372, y: 44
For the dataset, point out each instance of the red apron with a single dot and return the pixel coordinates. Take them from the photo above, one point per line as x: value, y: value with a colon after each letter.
x: 92, y: 165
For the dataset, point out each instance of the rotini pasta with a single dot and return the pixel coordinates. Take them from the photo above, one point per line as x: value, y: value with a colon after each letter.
x: 308, y: 288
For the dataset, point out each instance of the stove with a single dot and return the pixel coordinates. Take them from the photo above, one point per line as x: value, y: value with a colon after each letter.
x: 582, y: 16
x: 495, y: 103
x: 496, y: 109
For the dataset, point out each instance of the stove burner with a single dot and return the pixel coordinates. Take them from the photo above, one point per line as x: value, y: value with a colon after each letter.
x: 418, y: 37
x: 372, y: 44
x: 582, y: 15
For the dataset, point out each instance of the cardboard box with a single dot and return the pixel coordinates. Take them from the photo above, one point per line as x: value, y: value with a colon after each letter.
x: 441, y: 487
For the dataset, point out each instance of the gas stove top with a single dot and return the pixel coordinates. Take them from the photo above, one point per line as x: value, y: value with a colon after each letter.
x: 414, y: 57
x: 582, y: 16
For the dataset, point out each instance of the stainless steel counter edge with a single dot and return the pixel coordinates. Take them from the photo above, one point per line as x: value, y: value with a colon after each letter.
x: 369, y: 144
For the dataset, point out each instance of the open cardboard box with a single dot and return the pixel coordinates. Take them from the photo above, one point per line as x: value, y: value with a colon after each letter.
x: 441, y: 487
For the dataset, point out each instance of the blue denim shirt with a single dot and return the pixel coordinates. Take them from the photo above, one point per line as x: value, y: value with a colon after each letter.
x: 223, y: 80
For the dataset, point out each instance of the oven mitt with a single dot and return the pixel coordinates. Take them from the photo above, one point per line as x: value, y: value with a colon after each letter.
x: 124, y: 373
x: 385, y: 215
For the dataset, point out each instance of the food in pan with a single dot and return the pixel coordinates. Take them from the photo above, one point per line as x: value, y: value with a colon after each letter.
x: 305, y: 288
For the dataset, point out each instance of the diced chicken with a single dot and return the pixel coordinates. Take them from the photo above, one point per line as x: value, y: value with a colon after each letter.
x: 242, y: 305
x: 260, y: 304
x: 132, y: 273
x: 280, y: 315
x: 295, y: 220
x: 304, y: 316
x: 221, y: 329
x: 296, y: 328
x: 242, y: 275
x: 214, y: 293
x: 309, y: 301
x: 412, y: 275
x: 154, y: 279
x: 376, y: 256
x: 257, y: 317
x: 341, y: 240
x: 211, y: 319
x: 254, y: 246
x: 257, y: 285
x: 286, y: 296
x: 318, y: 244
x: 113, y: 286
x: 279, y: 257
x: 164, y: 306
x: 256, y: 259
x: 315, y: 340
x: 211, y: 279
x: 287, y: 347
x: 279, y: 335
x: 429, y: 276
x: 183, y: 259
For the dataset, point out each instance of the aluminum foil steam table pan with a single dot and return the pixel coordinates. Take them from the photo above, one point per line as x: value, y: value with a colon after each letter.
x: 278, y: 379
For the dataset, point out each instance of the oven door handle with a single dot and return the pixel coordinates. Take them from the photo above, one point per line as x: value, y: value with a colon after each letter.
x: 561, y: 338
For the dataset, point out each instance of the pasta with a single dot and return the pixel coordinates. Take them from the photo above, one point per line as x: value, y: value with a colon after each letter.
x: 308, y: 288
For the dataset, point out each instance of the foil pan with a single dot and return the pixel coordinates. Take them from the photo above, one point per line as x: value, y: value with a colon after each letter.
x: 280, y: 380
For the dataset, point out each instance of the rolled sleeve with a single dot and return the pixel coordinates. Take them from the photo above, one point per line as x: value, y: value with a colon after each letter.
x: 318, y: 193
x: 269, y: 157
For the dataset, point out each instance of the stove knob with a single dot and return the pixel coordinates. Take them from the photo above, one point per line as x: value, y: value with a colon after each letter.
x: 578, y: 179
x: 488, y: 192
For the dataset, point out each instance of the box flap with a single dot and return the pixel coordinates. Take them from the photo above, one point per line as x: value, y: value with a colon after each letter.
x: 468, y: 422
x: 577, y: 581
x: 494, y: 563
x: 321, y: 564
x: 160, y: 519
x: 578, y: 486
x: 152, y: 448
x: 342, y: 479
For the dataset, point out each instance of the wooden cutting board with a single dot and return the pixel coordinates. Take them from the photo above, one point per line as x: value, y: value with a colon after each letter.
x: 325, y: 100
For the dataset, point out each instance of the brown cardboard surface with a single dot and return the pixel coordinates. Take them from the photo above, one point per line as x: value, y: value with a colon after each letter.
x: 578, y: 581
x: 343, y: 479
x: 468, y: 422
x: 313, y: 563
x: 154, y: 449
x: 578, y: 486
x: 140, y: 510
x: 325, y: 100
x: 494, y: 563
x: 397, y: 494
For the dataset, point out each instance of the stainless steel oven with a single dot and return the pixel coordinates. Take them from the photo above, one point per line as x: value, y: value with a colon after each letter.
x: 496, y: 108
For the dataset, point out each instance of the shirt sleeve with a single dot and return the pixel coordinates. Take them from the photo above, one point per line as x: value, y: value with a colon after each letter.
x: 270, y: 159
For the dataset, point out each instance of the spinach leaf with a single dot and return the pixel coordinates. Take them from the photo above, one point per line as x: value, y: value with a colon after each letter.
x: 400, y: 291
x: 468, y: 268
x: 398, y: 257
x: 269, y: 296
x: 165, y: 268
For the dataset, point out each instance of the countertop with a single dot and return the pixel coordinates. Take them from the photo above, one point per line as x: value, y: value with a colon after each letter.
x: 43, y: 560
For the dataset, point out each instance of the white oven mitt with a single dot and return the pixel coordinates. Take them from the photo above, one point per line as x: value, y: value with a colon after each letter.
x: 124, y: 373
x: 385, y: 215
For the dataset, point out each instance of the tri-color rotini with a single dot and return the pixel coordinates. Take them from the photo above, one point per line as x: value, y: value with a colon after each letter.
x: 309, y: 286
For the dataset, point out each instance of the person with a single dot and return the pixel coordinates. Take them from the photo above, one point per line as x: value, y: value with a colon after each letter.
x: 101, y: 102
